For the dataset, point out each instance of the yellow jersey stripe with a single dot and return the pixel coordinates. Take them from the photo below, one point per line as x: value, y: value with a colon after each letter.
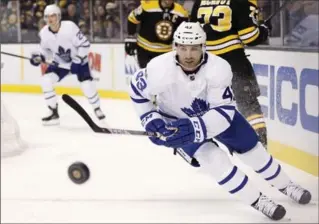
x: 254, y: 116
x: 149, y: 48
x: 223, y: 40
x: 247, y: 30
x: 142, y: 39
x: 133, y: 19
x: 257, y: 126
x: 251, y: 39
x: 226, y: 49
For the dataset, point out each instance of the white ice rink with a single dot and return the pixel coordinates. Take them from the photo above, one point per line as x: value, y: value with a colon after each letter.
x: 131, y: 179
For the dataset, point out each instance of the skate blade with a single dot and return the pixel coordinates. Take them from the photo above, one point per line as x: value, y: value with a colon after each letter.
x: 51, y: 123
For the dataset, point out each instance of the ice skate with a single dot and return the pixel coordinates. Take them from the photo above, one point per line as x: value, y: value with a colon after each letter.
x: 269, y: 208
x: 99, y: 114
x: 53, y: 118
x: 297, y: 193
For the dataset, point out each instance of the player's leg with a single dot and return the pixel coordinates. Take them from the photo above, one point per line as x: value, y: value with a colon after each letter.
x: 246, y: 91
x: 217, y: 164
x: 52, y: 75
x: 89, y: 90
x: 144, y: 56
x: 242, y: 139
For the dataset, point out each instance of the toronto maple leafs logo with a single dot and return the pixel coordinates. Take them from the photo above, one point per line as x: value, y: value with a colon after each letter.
x: 199, y: 108
x: 65, y: 55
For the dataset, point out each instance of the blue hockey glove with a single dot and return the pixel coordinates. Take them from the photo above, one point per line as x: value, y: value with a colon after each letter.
x: 189, y: 130
x: 36, y: 58
x: 153, y: 122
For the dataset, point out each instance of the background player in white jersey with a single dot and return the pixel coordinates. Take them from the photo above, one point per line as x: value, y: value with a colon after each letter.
x: 194, y: 106
x: 68, y: 47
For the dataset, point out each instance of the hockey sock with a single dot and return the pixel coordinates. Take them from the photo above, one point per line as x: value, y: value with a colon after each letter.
x: 89, y: 90
x: 217, y: 164
x: 258, y: 123
x: 264, y: 164
x: 47, y: 83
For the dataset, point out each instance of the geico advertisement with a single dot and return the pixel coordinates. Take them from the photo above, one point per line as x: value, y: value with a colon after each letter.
x: 289, y: 84
x: 292, y: 95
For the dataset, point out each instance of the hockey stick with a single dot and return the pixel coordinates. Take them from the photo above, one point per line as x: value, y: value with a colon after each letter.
x: 27, y: 58
x: 15, y: 55
x: 278, y: 10
x: 79, y: 109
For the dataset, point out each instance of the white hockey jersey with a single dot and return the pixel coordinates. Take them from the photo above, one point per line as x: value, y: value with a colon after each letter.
x: 65, y: 46
x: 206, y: 94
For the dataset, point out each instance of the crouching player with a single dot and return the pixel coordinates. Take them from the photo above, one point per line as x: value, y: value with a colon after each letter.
x: 195, y: 106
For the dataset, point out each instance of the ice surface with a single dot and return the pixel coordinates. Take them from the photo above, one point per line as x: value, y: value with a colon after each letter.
x: 131, y: 179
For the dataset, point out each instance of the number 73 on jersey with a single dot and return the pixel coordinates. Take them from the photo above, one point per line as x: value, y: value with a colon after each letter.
x: 219, y: 16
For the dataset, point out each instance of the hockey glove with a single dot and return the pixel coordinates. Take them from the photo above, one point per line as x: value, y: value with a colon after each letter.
x: 36, y: 58
x: 266, y: 24
x: 265, y: 29
x: 189, y: 130
x: 130, y: 45
x: 153, y: 122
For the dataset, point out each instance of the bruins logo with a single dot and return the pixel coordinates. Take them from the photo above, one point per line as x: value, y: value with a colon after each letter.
x: 164, y: 30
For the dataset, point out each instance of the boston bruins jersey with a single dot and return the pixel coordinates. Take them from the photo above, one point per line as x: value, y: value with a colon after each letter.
x: 229, y: 24
x: 157, y: 25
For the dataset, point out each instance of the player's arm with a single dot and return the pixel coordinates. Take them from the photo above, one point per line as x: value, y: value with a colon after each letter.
x: 140, y: 94
x: 249, y: 30
x: 134, y: 18
x: 43, y: 54
x: 193, y: 16
x: 80, y: 42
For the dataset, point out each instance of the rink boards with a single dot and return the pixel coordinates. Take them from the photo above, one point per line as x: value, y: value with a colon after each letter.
x: 288, y: 82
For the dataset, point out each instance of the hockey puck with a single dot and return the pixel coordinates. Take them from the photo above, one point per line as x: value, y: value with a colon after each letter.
x: 78, y: 172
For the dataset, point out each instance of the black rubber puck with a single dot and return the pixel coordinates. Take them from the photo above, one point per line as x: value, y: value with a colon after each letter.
x: 78, y: 172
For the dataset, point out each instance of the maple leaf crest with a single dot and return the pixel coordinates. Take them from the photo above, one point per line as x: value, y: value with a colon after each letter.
x: 65, y: 55
x: 198, y: 108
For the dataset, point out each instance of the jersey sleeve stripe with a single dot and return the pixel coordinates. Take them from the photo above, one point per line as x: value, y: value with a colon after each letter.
x: 222, y: 40
x: 136, y: 91
x: 248, y: 38
x: 133, y: 19
x: 228, y: 107
x: 140, y: 100
x: 224, y: 114
x: 247, y: 30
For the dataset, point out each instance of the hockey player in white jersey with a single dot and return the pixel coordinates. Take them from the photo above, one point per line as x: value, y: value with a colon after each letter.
x: 195, y: 106
x: 68, y: 47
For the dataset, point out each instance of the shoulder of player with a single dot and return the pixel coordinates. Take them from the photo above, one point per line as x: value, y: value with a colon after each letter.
x: 180, y: 10
x: 43, y: 31
x: 219, y: 70
x: 159, y: 69
x: 67, y: 24
x: 151, y: 6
